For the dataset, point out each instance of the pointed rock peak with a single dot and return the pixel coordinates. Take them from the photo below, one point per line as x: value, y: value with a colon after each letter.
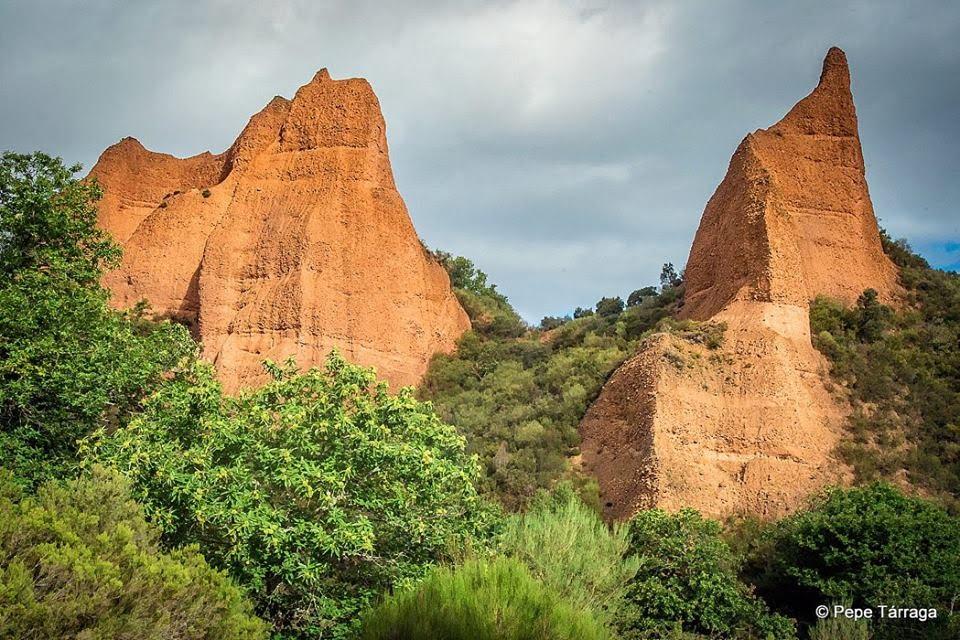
x: 321, y: 76
x: 835, y: 72
x: 829, y: 109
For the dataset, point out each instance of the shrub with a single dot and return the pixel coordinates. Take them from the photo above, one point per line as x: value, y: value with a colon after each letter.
x: 840, y: 628
x: 688, y: 575
x: 490, y: 312
x: 481, y: 600
x: 316, y: 491
x: 68, y: 363
x: 78, y: 560
x: 568, y: 548
x: 868, y: 546
x: 205, y: 193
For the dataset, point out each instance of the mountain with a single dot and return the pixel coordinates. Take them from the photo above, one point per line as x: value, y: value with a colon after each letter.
x: 292, y: 242
x: 750, y: 427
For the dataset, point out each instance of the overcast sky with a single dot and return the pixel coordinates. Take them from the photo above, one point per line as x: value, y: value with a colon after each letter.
x: 568, y: 148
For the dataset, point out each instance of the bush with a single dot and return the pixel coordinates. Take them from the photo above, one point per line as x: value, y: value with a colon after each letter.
x: 688, y: 575
x: 481, y: 600
x: 316, y: 491
x: 609, y: 307
x: 569, y: 549
x: 68, y: 363
x: 78, y: 560
x: 867, y: 546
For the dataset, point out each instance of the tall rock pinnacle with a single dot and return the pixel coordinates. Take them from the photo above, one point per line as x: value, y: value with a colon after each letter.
x: 290, y: 243
x: 792, y: 219
x: 749, y: 427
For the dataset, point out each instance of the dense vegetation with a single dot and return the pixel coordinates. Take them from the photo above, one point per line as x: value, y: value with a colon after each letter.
x: 68, y: 363
x: 688, y: 576
x: 568, y: 548
x: 323, y: 506
x: 862, y: 547
x: 518, y: 393
x: 78, y: 560
x: 494, y: 599
x: 316, y: 491
x: 902, y: 371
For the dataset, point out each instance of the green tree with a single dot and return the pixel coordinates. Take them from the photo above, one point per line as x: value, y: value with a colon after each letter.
x: 669, y: 278
x: 78, y: 560
x: 609, y: 307
x: 481, y: 600
x: 638, y: 296
x: 67, y: 362
x: 688, y: 575
x: 316, y: 491
x: 867, y: 546
x: 569, y: 549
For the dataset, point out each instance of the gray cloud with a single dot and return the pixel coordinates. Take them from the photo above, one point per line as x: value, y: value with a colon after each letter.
x: 567, y: 147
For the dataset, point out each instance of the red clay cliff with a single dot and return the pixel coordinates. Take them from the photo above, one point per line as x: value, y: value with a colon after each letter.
x: 290, y: 243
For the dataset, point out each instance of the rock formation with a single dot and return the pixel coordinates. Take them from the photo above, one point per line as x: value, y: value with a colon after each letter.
x: 292, y: 242
x: 750, y: 427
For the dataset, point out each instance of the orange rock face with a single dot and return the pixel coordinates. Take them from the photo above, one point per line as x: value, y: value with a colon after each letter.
x: 292, y: 242
x: 792, y: 218
x: 750, y: 427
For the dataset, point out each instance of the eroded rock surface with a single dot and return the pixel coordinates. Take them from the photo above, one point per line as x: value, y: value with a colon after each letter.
x: 750, y: 427
x: 293, y: 241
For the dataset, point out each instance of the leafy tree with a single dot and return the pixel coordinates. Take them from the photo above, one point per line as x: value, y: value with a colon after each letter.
x: 609, y: 307
x: 580, y: 312
x: 481, y: 600
x: 78, y: 560
x: 315, y: 492
x: 638, y: 296
x: 688, y: 575
x: 867, y: 546
x: 872, y: 317
x: 67, y: 362
x: 568, y: 548
x: 669, y: 278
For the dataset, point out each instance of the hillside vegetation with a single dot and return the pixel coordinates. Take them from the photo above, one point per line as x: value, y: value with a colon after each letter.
x: 901, y: 373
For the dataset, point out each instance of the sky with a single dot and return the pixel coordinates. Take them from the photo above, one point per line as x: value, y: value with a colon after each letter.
x: 568, y: 148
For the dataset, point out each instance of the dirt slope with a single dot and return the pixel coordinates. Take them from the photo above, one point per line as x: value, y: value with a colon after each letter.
x: 293, y: 241
x: 750, y: 427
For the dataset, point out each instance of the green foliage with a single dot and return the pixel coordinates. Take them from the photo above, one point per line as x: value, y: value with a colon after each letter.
x: 490, y: 312
x: 67, y: 362
x: 867, y: 546
x: 840, y: 628
x: 638, y: 296
x: 519, y: 400
x: 569, y: 549
x: 609, y: 307
x: 549, y: 323
x: 688, y: 575
x: 669, y: 278
x: 903, y: 372
x: 316, y: 491
x: 480, y: 600
x: 78, y: 560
